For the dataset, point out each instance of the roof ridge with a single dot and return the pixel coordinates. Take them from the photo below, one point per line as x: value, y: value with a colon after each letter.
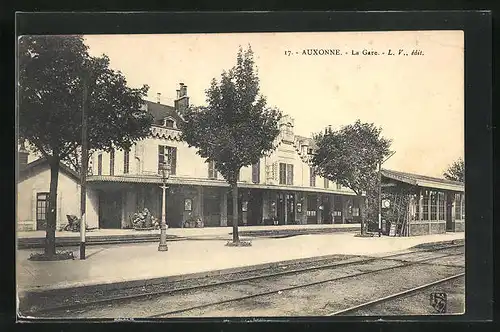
x: 423, y: 176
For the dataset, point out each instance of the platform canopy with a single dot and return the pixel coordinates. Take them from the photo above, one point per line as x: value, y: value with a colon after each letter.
x: 423, y: 181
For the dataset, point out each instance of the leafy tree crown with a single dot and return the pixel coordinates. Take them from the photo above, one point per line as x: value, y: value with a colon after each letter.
x: 236, y: 128
x: 350, y: 155
x: 54, y: 73
x: 456, y: 171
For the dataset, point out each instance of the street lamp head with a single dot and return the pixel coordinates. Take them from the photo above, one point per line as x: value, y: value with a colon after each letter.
x: 165, y: 170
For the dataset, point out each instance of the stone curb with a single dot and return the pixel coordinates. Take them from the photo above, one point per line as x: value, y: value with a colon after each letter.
x: 114, y: 285
x: 71, y: 241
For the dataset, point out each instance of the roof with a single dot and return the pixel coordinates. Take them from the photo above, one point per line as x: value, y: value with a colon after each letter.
x: 43, y: 162
x: 161, y: 111
x: 310, y: 141
x: 423, y: 180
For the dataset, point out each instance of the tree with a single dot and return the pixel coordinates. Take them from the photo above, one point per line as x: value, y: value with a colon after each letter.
x: 57, y: 79
x: 456, y: 171
x: 350, y: 156
x: 236, y: 128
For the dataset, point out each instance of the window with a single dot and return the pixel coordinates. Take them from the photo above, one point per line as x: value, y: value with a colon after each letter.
x: 433, y: 204
x: 310, y: 151
x: 311, y: 213
x: 458, y: 206
x: 441, y: 202
x: 99, y: 164
x: 169, y: 123
x: 355, y: 211
x: 256, y: 172
x: 312, y: 177
x: 286, y: 174
x: 417, y: 206
x: 212, y: 172
x: 112, y: 162
x: 463, y: 207
x: 326, y: 183
x: 339, y: 186
x: 282, y: 173
x: 425, y: 205
x: 289, y: 174
x: 42, y: 205
x: 167, y: 154
x: 126, y: 160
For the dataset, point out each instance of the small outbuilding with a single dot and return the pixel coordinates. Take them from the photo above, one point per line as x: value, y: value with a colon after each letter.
x: 417, y: 205
x: 33, y: 187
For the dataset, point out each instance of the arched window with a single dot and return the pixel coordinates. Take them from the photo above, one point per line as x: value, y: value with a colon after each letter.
x: 169, y: 123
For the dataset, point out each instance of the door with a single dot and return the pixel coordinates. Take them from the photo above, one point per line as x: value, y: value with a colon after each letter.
x: 42, y: 207
x: 110, y: 206
x: 312, y: 206
x: 327, y: 212
x: 255, y: 208
x: 450, y: 206
x: 280, y: 208
x: 290, y: 208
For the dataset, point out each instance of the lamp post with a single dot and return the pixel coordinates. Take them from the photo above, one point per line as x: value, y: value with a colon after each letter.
x: 380, y: 192
x: 83, y: 171
x: 165, y: 174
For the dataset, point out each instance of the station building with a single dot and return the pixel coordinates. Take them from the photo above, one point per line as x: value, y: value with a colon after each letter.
x: 281, y: 188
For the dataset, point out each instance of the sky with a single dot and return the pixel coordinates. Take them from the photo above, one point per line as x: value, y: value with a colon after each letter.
x: 417, y: 100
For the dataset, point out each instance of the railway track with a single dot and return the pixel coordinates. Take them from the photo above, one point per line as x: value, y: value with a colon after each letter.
x: 395, y: 296
x: 318, y: 265
x: 284, y: 289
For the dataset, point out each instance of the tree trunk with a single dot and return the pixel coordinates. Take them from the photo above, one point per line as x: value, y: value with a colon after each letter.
x: 362, y: 212
x: 50, y: 235
x: 234, y: 191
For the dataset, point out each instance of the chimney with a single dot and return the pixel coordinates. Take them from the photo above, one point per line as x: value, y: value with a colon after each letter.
x: 158, y: 97
x: 182, y: 101
x: 183, y: 90
x: 23, y: 156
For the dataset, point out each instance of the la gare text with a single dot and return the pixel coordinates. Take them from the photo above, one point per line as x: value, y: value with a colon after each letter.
x: 338, y: 52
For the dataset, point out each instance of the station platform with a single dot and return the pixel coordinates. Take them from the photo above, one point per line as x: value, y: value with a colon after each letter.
x: 130, y: 265
x: 36, y: 239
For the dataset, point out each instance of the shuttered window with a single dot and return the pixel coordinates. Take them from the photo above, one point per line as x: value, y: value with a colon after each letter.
x: 167, y: 154
x: 99, y: 164
x: 126, y: 161
x: 212, y: 172
x: 112, y: 162
x: 289, y: 174
x: 286, y: 174
x: 312, y: 177
x: 282, y: 173
x: 256, y: 172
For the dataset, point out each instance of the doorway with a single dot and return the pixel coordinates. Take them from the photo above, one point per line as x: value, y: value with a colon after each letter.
x: 42, y: 206
x: 312, y: 207
x: 110, y: 210
x: 450, y: 225
x: 255, y: 201
x: 290, y: 208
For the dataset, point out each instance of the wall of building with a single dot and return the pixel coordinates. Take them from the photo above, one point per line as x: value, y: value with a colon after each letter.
x: 68, y: 199
x: 143, y: 160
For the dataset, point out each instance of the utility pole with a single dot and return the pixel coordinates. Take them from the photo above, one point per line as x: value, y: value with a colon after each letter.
x: 380, y: 197
x: 165, y: 172
x: 380, y: 191
x: 83, y: 171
